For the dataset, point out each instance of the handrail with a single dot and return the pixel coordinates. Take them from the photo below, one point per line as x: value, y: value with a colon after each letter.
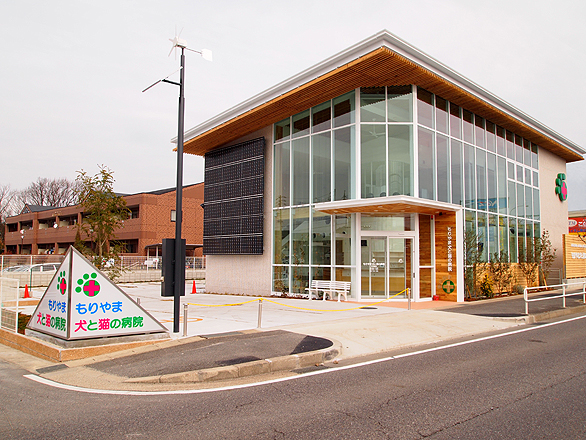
x: 563, y: 295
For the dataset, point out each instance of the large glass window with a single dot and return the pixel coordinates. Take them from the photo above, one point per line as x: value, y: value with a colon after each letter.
x: 479, y: 131
x: 373, y: 160
x: 512, y: 199
x: 443, y: 170
x: 281, y: 236
x: 469, y: 176
x: 500, y: 141
x: 481, y: 194
x: 344, y: 163
x: 424, y: 107
x: 503, y: 235
x: 300, y: 171
x: 344, y: 110
x: 441, y: 115
x: 513, y: 238
x: 426, y: 164
x: 321, y: 117
x: 492, y: 235
x: 490, y: 137
x: 372, y: 104
x: 301, y: 124
x: 399, y: 104
x: 283, y: 129
x: 282, y: 174
x: 322, y: 167
x: 300, y: 236
x: 502, y: 185
x: 468, y: 121
x: 456, y: 168
x: 321, y: 237
x: 492, y: 182
x: 400, y: 160
x: 343, y: 232
x: 520, y: 200
x: 455, y: 121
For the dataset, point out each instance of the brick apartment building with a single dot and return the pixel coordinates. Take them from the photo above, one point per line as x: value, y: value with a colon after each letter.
x: 48, y: 230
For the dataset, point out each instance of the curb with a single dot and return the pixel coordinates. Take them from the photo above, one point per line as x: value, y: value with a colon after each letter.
x: 246, y: 369
x: 543, y: 316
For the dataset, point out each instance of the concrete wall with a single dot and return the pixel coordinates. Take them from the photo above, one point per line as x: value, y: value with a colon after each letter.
x: 247, y: 274
x: 554, y: 214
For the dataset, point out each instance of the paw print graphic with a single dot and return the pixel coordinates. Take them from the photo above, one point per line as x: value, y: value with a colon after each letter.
x: 88, y: 285
x: 62, y: 282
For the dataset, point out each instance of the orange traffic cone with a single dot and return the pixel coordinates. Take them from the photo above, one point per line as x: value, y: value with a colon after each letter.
x: 193, y: 289
x: 26, y: 292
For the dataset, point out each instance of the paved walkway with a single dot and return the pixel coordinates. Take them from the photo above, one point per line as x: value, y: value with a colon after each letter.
x: 224, y: 342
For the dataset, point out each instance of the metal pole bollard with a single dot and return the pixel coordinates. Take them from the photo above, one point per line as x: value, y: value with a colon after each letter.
x: 185, y: 320
x: 583, y: 293
x: 138, y: 301
x: 526, y: 301
x: 259, y: 313
x: 408, y: 298
x: 564, y: 296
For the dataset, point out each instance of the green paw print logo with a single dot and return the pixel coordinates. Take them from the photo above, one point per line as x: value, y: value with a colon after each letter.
x: 62, y: 282
x: 88, y: 285
x: 560, y: 187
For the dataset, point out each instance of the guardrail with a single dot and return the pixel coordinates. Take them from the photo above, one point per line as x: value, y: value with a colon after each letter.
x: 564, y: 294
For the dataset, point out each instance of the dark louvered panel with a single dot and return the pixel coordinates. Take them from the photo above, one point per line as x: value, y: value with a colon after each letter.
x: 234, y: 199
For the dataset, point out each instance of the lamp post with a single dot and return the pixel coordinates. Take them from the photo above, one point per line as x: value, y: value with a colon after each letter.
x: 21, y: 240
x: 179, y: 274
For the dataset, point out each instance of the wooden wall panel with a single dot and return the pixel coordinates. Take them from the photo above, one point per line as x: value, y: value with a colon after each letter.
x: 574, y: 257
x: 445, y: 256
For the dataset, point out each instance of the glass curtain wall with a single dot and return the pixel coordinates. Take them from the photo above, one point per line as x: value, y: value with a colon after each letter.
x: 462, y: 158
x: 493, y: 173
x: 313, y: 161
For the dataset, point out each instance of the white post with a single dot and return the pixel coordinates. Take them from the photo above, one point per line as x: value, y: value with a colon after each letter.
x: 185, y: 320
x: 259, y: 313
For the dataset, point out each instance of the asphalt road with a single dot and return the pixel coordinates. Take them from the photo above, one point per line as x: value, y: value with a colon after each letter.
x: 525, y: 385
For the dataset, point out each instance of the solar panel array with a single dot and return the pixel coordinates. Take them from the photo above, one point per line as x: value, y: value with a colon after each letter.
x: 233, y: 200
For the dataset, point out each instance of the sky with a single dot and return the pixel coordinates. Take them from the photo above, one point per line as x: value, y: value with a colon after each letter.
x: 72, y: 72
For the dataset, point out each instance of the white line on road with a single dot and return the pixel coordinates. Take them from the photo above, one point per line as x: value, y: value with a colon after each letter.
x: 284, y: 379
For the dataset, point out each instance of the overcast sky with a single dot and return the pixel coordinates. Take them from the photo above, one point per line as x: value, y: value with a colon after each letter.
x: 72, y: 72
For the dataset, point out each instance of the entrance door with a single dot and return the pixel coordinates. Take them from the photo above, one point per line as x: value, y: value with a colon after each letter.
x: 386, y: 266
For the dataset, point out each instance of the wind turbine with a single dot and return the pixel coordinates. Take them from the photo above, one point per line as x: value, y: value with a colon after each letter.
x: 179, y: 260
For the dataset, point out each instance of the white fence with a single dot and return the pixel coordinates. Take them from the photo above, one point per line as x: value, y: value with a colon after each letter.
x: 568, y: 289
x: 38, y: 270
x: 9, y: 299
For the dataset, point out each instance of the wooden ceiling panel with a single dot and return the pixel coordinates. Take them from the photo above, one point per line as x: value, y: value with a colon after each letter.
x: 381, y: 67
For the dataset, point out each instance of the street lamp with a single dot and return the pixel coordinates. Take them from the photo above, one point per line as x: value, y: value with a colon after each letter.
x: 21, y: 240
x: 179, y: 274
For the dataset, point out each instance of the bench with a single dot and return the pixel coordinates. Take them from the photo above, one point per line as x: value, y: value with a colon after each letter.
x: 329, y: 288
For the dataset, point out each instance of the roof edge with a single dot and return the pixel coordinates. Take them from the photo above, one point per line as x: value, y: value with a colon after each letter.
x: 381, y: 39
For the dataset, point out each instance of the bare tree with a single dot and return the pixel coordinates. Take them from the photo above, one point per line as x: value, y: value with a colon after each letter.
x: 6, y: 209
x: 50, y: 192
x: 6, y: 201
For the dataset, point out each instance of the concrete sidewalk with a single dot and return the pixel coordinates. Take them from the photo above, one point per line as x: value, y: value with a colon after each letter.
x: 223, y: 341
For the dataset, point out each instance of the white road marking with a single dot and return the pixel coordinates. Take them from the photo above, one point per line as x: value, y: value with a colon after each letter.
x: 284, y: 379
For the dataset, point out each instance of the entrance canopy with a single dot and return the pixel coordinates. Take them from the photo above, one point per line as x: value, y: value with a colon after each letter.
x: 390, y: 204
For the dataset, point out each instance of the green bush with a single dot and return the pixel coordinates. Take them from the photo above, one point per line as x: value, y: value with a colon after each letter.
x: 486, y: 287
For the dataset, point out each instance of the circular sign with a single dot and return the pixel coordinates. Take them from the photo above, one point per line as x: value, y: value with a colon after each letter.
x: 448, y: 286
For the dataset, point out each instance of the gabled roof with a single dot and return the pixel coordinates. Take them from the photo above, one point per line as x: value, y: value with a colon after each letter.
x: 35, y: 208
x: 381, y: 60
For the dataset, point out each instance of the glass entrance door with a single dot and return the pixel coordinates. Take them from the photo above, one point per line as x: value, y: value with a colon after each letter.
x: 386, y: 266
x: 374, y: 265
